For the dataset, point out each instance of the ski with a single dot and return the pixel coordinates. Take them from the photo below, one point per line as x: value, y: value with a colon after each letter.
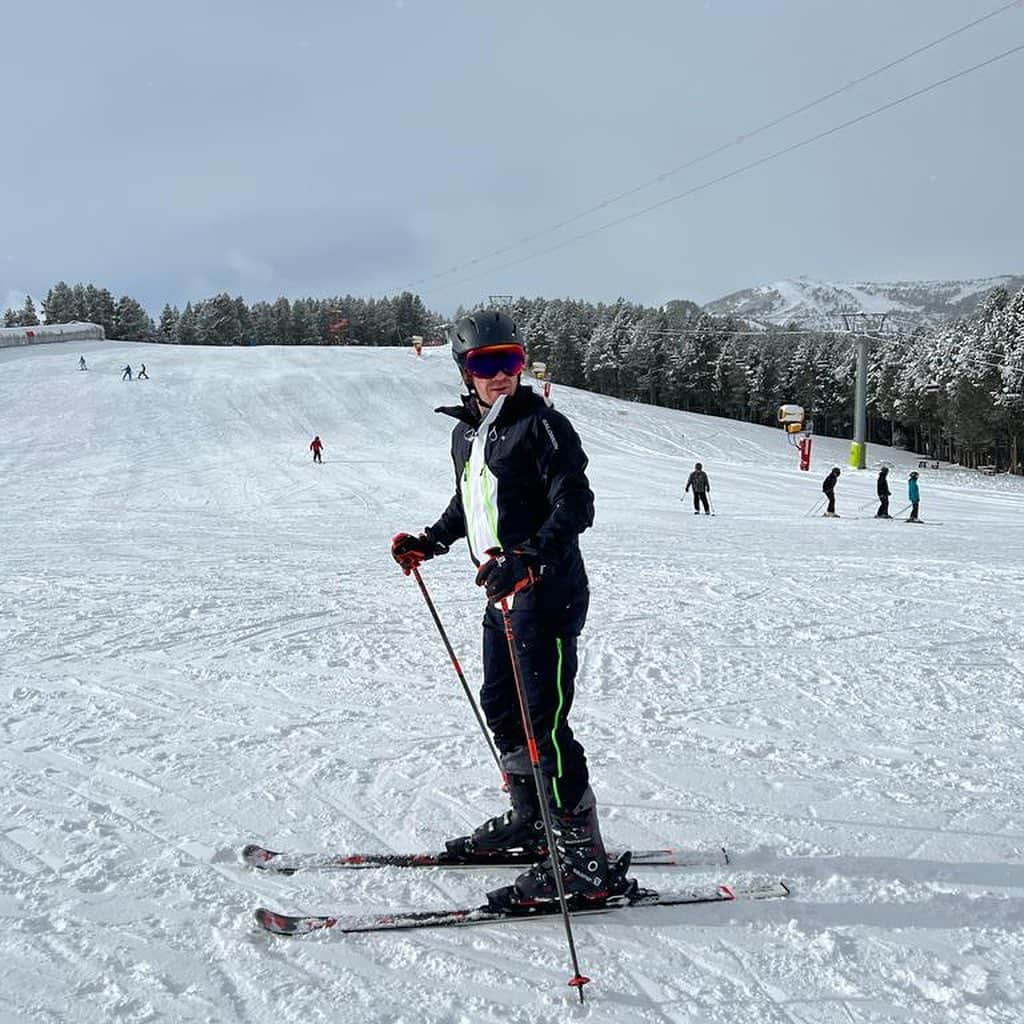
x: 279, y: 863
x: 284, y: 924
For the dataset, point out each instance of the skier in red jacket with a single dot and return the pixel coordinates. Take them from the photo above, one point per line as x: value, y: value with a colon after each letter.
x: 316, y: 447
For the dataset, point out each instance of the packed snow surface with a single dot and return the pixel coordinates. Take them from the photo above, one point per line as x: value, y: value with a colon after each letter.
x: 204, y: 642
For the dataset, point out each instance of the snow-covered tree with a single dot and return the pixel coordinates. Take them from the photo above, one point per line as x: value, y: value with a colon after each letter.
x: 132, y: 321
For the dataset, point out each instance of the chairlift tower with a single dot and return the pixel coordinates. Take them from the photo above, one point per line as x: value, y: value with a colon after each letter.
x: 863, y: 328
x: 500, y: 301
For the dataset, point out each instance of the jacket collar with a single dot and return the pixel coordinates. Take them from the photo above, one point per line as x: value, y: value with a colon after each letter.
x: 473, y: 414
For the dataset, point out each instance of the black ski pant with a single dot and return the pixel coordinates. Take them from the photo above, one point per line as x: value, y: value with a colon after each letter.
x: 545, y: 639
x: 883, y: 505
x: 831, y: 495
x: 316, y: 457
x: 699, y: 498
x: 913, y: 509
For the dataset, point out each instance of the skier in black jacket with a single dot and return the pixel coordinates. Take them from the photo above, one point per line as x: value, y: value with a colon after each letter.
x: 521, y: 500
x: 828, y: 486
x: 883, y: 494
x: 698, y: 481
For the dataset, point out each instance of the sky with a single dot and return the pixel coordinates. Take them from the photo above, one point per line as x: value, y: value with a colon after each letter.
x: 174, y: 151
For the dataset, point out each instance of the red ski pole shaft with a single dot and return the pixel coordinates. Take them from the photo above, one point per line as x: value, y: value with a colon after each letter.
x: 459, y: 672
x: 578, y: 980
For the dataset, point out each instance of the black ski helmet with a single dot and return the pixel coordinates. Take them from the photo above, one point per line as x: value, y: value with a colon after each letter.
x: 913, y: 475
x: 698, y: 466
x: 481, y: 330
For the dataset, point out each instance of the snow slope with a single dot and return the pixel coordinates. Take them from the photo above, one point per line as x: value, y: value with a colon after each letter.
x: 203, y: 642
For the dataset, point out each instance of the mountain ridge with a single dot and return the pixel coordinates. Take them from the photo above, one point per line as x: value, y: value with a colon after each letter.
x: 815, y: 303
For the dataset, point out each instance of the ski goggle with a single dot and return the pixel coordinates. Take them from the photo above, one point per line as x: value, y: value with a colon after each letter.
x: 489, y: 362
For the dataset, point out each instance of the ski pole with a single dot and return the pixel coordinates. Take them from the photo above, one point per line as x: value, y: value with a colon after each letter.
x: 459, y: 672
x: 577, y: 980
x: 817, y: 505
x: 906, y: 508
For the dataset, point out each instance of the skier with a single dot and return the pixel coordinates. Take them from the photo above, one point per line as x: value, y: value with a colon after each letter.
x: 522, y: 498
x: 828, y: 485
x: 882, y: 488
x: 126, y: 373
x: 81, y: 363
x: 142, y: 375
x: 316, y: 446
x: 698, y: 480
x: 914, y: 494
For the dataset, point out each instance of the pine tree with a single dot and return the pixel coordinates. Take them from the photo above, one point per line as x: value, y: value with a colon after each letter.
x: 132, y: 321
x: 729, y: 382
x: 167, y: 329
x: 59, y: 304
x: 410, y: 316
x: 217, y: 322
x: 304, y: 324
x: 100, y: 308
x: 28, y: 313
x: 282, y: 322
x: 245, y: 322
x: 185, y: 331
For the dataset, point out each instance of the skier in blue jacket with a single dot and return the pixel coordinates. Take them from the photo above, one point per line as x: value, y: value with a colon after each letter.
x: 914, y: 494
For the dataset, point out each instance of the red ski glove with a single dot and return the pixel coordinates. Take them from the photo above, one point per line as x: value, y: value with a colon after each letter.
x: 411, y: 552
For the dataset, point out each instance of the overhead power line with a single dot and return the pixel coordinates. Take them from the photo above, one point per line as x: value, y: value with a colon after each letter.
x: 736, y: 141
x: 817, y: 137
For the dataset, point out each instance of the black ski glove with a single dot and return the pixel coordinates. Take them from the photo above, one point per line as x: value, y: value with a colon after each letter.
x: 507, y: 572
x: 411, y: 552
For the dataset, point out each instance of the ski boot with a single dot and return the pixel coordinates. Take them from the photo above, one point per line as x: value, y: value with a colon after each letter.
x: 518, y: 830
x: 587, y: 877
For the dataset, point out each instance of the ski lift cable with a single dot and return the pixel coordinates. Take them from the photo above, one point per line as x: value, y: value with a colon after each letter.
x: 739, y: 139
x: 736, y: 172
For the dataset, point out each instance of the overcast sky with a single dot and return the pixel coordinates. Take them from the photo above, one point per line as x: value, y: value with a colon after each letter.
x: 171, y: 151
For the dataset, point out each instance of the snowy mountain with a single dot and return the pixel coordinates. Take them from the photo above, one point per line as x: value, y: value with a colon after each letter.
x: 818, y: 303
x: 204, y: 642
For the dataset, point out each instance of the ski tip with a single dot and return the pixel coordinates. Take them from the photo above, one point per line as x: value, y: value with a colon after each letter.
x: 276, y: 924
x: 259, y: 857
x: 283, y: 924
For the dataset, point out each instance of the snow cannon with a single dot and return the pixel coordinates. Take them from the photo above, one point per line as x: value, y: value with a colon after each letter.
x: 792, y: 417
x: 794, y: 420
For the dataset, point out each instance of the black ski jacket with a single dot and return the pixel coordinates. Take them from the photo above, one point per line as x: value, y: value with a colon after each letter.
x: 828, y: 485
x: 523, y: 485
x: 698, y: 480
x: 883, y: 485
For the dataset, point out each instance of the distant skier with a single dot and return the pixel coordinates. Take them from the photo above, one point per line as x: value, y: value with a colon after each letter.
x: 698, y: 480
x: 883, y: 494
x: 316, y: 446
x: 828, y: 486
x: 914, y: 494
x: 142, y: 373
x: 126, y: 373
x: 81, y: 363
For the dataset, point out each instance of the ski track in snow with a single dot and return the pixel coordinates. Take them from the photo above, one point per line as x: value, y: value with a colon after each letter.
x: 204, y: 642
